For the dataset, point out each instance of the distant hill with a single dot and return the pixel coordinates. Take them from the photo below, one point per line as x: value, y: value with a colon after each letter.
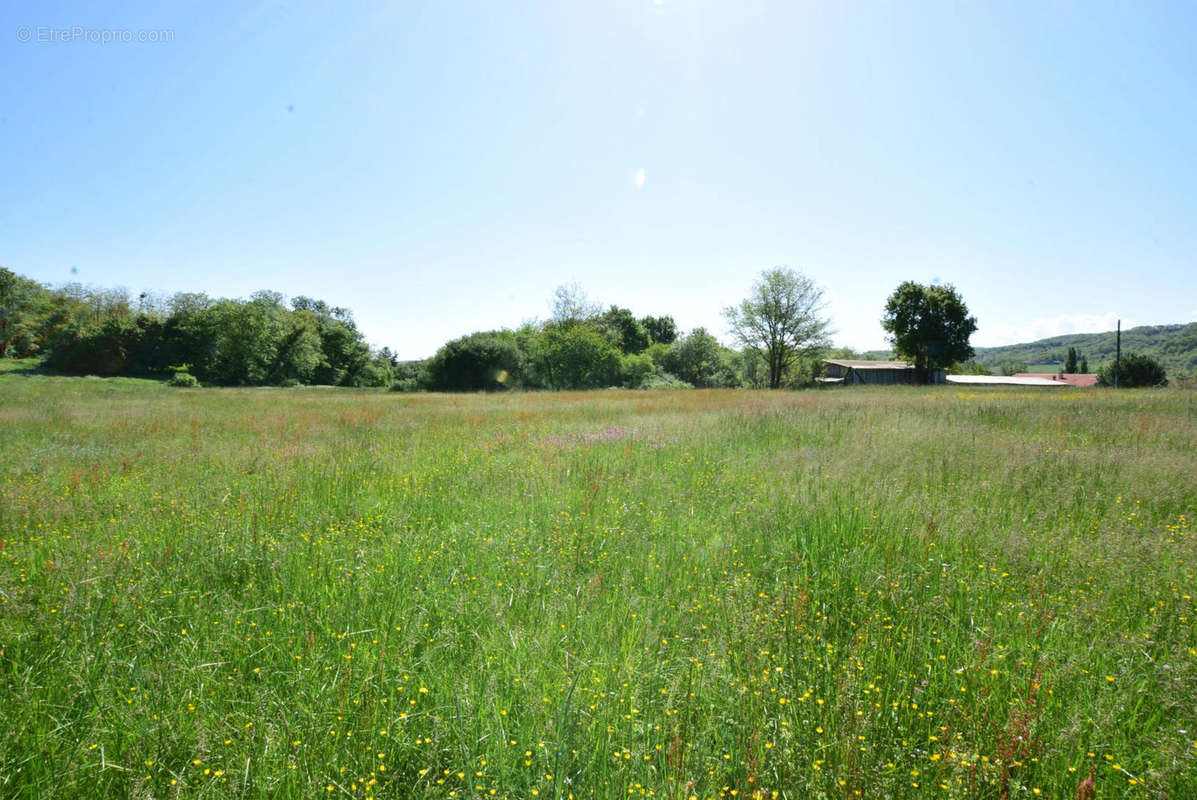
x: 1174, y: 346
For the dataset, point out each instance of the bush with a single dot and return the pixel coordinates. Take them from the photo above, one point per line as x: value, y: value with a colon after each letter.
x: 1135, y: 370
x: 636, y: 370
x: 663, y: 380
x: 376, y: 372
x: 659, y: 353
x: 576, y: 356
x: 183, y: 380
x: 488, y: 361
x: 112, y: 347
x: 695, y: 358
x: 406, y: 385
x: 970, y: 367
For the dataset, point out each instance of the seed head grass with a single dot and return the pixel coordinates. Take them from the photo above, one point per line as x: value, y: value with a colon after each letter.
x: 307, y: 593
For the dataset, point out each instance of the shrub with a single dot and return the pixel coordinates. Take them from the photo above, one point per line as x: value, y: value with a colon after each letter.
x: 184, y: 380
x: 406, y: 385
x: 970, y: 367
x: 663, y: 380
x: 637, y: 369
x: 695, y: 358
x: 376, y: 372
x: 490, y: 361
x: 576, y: 356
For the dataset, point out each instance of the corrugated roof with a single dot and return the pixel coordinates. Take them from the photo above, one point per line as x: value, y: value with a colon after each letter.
x: 1004, y: 380
x: 1082, y: 379
x: 869, y: 364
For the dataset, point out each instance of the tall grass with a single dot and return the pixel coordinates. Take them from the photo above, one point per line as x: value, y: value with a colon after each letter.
x: 854, y: 593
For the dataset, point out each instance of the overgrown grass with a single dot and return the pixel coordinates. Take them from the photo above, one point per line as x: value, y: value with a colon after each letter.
x: 854, y: 593
x: 19, y: 366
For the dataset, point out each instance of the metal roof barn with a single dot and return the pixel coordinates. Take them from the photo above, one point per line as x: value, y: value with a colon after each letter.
x: 874, y: 372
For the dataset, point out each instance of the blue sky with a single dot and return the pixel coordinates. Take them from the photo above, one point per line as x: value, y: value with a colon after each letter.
x: 442, y: 167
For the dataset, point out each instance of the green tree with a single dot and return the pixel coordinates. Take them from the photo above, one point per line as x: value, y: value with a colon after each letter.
x: 185, y: 336
x: 753, y: 372
x: 379, y: 370
x: 1134, y: 370
x: 114, y: 346
x: 696, y: 359
x: 345, y: 355
x: 662, y: 330
x: 23, y: 307
x: 629, y: 335
x: 730, y: 373
x: 300, y: 350
x: 1084, y: 365
x: 781, y: 320
x: 236, y: 342
x: 410, y: 376
x: 385, y: 354
x: 572, y: 356
x: 1070, y: 362
x: 637, y: 368
x: 929, y: 326
x: 81, y: 329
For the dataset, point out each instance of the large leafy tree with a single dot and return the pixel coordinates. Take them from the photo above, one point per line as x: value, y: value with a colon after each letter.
x: 241, y: 341
x: 1132, y: 370
x: 115, y: 346
x: 344, y: 354
x: 661, y: 330
x: 21, y: 301
x: 697, y: 359
x: 35, y: 320
x: 627, y: 332
x: 781, y: 320
x: 929, y: 326
x: 299, y: 353
x: 575, y: 357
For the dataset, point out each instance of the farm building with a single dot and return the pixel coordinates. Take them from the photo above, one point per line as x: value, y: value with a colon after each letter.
x: 1004, y: 380
x: 1082, y: 379
x: 840, y: 371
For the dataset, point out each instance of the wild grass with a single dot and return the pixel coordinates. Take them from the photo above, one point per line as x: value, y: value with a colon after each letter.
x: 853, y: 593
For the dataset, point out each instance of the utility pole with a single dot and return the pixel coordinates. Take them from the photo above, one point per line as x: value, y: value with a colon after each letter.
x: 1117, y: 353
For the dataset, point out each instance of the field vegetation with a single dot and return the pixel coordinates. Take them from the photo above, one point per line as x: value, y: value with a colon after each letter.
x: 898, y: 592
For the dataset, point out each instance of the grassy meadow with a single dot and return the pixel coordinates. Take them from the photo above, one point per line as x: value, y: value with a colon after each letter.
x: 866, y: 592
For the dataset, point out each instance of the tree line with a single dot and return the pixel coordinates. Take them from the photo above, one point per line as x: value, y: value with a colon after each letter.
x: 266, y: 340
x: 259, y: 341
x: 584, y: 346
